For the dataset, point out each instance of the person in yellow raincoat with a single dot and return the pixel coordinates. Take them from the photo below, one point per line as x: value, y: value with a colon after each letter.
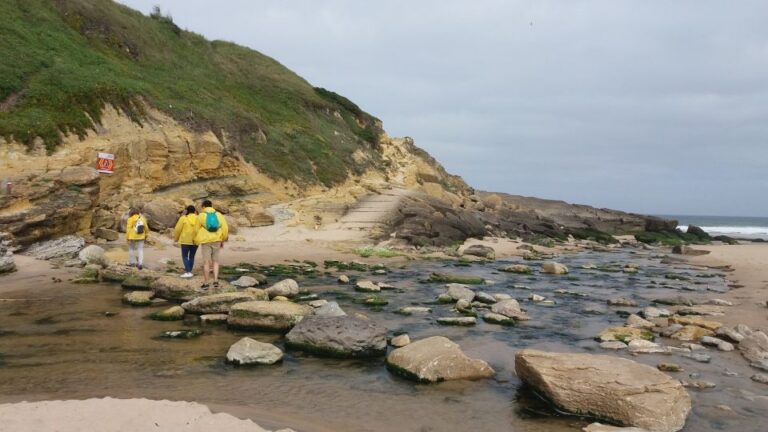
x: 136, y: 230
x: 184, y: 235
x: 211, y: 233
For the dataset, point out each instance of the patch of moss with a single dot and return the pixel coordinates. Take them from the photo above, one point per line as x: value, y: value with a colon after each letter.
x: 593, y: 235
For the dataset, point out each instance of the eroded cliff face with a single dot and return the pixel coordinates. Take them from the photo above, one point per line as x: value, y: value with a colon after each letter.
x: 162, y: 166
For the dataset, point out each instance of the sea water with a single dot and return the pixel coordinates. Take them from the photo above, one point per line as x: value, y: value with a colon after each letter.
x: 734, y: 226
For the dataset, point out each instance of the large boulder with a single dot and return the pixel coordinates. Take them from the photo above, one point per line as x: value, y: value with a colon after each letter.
x: 436, y: 359
x: 93, y: 255
x: 63, y: 247
x: 286, y: 288
x: 330, y: 309
x: 343, y: 336
x: 161, y: 214
x: 257, y: 216
x: 248, y: 351
x: 609, y: 387
x: 106, y: 234
x: 217, y: 303
x: 278, y: 316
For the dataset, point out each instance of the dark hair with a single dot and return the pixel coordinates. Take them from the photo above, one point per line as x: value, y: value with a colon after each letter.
x: 207, y: 203
x: 191, y: 209
x: 132, y: 212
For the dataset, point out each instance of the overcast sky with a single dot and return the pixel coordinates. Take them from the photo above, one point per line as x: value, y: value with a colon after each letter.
x: 648, y: 106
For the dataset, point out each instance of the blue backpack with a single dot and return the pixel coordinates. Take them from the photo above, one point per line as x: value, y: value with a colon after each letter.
x: 212, y: 222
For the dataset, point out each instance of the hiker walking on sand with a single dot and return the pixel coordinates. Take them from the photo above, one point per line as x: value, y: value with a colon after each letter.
x: 184, y: 234
x: 136, y: 231
x: 212, y: 232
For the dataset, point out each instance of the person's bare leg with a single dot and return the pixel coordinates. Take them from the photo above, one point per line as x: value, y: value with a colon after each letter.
x: 215, y: 271
x: 206, y: 269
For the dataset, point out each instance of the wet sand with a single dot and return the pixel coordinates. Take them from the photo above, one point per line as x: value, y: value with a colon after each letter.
x: 749, y: 281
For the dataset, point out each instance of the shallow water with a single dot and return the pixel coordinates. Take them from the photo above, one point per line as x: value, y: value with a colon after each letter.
x: 58, y: 344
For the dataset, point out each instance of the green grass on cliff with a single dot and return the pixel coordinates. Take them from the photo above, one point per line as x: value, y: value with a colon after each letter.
x: 63, y: 61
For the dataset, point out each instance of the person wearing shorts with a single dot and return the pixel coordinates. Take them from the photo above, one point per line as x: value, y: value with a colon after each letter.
x: 212, y: 232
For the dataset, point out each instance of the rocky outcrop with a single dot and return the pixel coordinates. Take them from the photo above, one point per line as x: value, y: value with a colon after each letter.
x: 344, y: 336
x: 424, y: 220
x: 248, y: 351
x: 607, y: 387
x: 436, y: 359
x: 7, y: 264
x: 63, y: 247
x: 278, y: 316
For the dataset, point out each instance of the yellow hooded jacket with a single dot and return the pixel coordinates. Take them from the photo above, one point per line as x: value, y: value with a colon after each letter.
x: 204, y: 236
x: 185, y: 230
x: 130, y: 228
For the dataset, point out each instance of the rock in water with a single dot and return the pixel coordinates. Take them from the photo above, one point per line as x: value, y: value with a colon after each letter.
x: 330, y: 309
x: 460, y: 291
x: 436, y: 359
x: 457, y: 321
x: 216, y: 303
x: 455, y: 278
x: 609, y: 387
x: 173, y: 313
x: 599, y: 427
x: 400, y: 341
x: 247, y: 351
x: 345, y: 337
x: 554, y: 268
x: 511, y: 309
x: 267, y: 315
x: 92, y: 255
x: 63, y: 247
x: 286, y: 288
x: 245, y: 282
x: 481, y: 251
x: 517, y: 268
x: 367, y: 286
x: 138, y: 298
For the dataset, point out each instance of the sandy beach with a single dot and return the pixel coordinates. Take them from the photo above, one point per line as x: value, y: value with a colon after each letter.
x: 749, y: 281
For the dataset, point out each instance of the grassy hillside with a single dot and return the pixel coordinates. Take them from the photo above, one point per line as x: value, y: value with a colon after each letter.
x: 64, y: 60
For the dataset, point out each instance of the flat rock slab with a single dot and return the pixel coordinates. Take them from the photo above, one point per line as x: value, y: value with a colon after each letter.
x: 217, y: 303
x: 178, y: 289
x: 610, y: 387
x: 278, y: 316
x: 342, y: 336
x: 436, y: 359
x: 248, y: 351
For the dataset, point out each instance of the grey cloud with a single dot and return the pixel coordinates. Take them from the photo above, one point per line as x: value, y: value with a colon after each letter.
x: 650, y: 106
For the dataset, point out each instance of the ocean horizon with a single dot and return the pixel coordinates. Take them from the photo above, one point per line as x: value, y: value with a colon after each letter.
x: 733, y: 226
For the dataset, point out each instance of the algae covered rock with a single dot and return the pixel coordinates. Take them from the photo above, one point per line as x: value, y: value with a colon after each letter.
x: 344, y: 336
x: 248, y: 351
x: 457, y: 321
x: 481, y: 251
x: 181, y: 334
x: 138, y: 298
x: 455, y: 278
x: 366, y: 286
x: 137, y: 283
x: 510, y: 309
x: 267, y: 315
x: 173, y: 313
x: 624, y: 334
x: 436, y: 359
x: 245, y: 282
x: 615, y: 388
x: 517, y: 268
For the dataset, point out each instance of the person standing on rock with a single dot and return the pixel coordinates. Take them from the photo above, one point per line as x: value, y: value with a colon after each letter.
x: 212, y: 232
x: 184, y: 234
x: 136, y: 231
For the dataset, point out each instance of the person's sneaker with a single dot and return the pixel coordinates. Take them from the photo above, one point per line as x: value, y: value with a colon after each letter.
x: 215, y: 284
x: 140, y: 267
x: 186, y: 275
x: 204, y: 286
